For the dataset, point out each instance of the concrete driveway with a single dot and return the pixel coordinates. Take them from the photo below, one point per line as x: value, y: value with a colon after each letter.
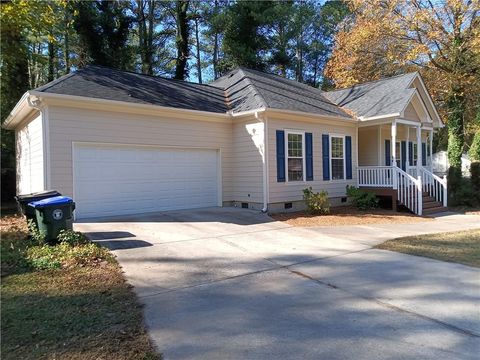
x: 229, y: 283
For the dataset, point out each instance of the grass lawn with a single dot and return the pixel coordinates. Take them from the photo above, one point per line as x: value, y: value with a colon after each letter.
x: 461, y: 246
x: 79, y: 311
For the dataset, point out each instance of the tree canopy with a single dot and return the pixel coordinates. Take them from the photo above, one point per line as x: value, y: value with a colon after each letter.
x: 324, y: 44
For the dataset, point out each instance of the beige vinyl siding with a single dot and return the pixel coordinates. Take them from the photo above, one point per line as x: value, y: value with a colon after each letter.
x: 368, y: 139
x: 69, y: 125
x: 292, y: 191
x: 248, y: 147
x: 30, y: 157
x: 410, y: 113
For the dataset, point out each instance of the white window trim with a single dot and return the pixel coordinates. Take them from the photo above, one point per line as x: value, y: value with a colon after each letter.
x: 330, y: 136
x: 399, y: 159
x: 304, y: 162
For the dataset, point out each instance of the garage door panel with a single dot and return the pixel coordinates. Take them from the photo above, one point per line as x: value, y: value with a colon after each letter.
x: 120, y: 180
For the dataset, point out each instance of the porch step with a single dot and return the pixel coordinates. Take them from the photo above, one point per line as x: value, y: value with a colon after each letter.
x: 434, y: 210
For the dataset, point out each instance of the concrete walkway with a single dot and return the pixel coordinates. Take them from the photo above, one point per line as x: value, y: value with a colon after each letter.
x: 234, y: 284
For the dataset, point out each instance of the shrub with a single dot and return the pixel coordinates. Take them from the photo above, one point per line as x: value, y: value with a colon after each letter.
x: 317, y: 203
x: 474, y: 152
x: 361, y: 199
x: 475, y: 175
x: 464, y: 194
x: 47, y: 257
x: 37, y: 236
x: 72, y: 238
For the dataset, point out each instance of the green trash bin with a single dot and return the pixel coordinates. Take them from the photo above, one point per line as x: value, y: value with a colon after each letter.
x: 25, y: 199
x: 53, y: 215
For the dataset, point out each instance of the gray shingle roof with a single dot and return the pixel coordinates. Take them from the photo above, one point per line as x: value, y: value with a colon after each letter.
x: 249, y: 89
x: 105, y: 83
x: 375, y: 98
x: 240, y: 90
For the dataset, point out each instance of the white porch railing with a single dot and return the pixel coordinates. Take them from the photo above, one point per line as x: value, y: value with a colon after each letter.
x: 435, y: 186
x: 409, y: 188
x: 409, y: 191
x: 375, y: 176
x: 412, y: 171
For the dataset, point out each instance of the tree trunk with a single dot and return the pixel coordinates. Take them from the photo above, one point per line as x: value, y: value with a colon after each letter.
x: 149, y: 52
x: 66, y: 44
x: 215, y: 47
x: 51, y: 61
x: 199, y: 62
x: 315, y: 71
x: 182, y: 39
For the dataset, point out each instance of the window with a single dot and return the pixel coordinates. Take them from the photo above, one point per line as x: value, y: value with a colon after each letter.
x: 295, y: 156
x: 337, y: 149
x: 398, y: 154
x: 415, y: 154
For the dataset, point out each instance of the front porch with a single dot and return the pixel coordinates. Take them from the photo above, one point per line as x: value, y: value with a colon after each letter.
x: 395, y: 160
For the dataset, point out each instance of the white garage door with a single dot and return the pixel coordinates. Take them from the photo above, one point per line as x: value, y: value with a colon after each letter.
x: 119, y: 180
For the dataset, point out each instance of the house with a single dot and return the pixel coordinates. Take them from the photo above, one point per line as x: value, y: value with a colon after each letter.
x: 440, y: 164
x: 121, y: 143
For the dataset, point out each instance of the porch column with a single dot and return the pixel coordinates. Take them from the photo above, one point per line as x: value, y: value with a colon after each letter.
x: 419, y: 149
x: 407, y: 162
x: 393, y: 154
x: 431, y: 150
x: 393, y: 143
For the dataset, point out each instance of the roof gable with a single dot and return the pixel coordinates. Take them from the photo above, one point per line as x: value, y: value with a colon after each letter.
x: 376, y: 98
x: 250, y: 89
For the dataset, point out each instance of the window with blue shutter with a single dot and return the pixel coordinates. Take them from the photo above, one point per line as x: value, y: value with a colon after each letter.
x: 403, y: 156
x: 410, y: 153
x: 280, y: 156
x: 424, y: 154
x: 348, y: 156
x: 309, y: 156
x: 325, y: 157
x: 388, y: 158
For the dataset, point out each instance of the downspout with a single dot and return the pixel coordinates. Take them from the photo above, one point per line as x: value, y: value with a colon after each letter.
x: 264, y: 161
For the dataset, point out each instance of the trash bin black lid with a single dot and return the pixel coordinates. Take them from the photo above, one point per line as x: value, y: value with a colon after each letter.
x: 38, y: 194
x: 56, y: 200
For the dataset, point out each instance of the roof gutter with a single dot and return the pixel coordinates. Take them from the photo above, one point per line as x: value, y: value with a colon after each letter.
x: 21, y: 109
x: 311, y: 115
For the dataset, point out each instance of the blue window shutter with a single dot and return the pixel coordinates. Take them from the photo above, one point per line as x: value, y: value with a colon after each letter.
x: 388, y: 158
x: 424, y: 154
x: 309, y: 156
x: 410, y: 153
x: 348, y: 156
x: 326, y: 157
x: 280, y: 156
x: 404, y: 155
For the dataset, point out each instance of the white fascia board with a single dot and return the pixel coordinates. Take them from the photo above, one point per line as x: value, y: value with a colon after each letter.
x: 316, y: 116
x: 123, y: 105
x: 393, y: 115
x: 429, y: 98
x: 409, y: 122
x: 18, y: 113
x: 247, y: 112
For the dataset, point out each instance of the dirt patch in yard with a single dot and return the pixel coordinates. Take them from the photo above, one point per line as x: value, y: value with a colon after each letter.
x: 345, y: 215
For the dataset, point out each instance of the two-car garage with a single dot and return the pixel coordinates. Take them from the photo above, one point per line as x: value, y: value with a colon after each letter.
x: 127, y: 179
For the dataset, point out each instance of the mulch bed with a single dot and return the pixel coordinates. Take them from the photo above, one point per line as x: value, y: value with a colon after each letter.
x: 347, y: 215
